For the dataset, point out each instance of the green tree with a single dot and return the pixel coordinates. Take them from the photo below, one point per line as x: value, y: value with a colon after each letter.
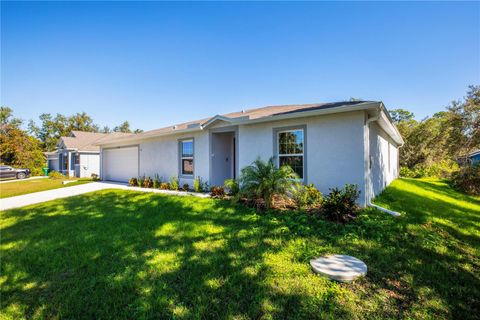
x: 105, y: 129
x: 442, y: 137
x: 463, y: 119
x: 401, y: 115
x: 17, y: 148
x: 7, y: 118
x: 124, y: 127
x: 52, y: 128
x: 82, y: 122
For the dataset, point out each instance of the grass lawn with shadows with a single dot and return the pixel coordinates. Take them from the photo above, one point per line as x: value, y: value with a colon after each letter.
x: 125, y: 255
x: 17, y: 188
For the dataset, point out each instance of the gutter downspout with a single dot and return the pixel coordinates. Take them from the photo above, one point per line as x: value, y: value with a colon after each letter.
x: 369, y: 176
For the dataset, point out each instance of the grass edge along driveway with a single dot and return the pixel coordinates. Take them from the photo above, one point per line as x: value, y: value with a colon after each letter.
x: 21, y: 187
x: 122, y: 254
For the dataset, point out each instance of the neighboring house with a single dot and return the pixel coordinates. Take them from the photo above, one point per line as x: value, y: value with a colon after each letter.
x: 472, y: 158
x: 328, y: 145
x: 78, y: 154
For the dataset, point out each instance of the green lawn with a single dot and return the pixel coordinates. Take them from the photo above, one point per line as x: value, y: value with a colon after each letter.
x: 128, y: 255
x: 20, y: 187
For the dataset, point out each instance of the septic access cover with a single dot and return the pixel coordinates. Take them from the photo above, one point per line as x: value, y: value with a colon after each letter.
x: 339, y: 267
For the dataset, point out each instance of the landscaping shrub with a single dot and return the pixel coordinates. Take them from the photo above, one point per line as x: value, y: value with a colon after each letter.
x: 186, y: 187
x: 232, y: 186
x: 156, y: 181
x: 340, y: 204
x: 148, y: 182
x: 199, y: 185
x: 263, y: 180
x: 174, y: 184
x: 165, y: 186
x: 140, y: 181
x: 95, y: 177
x: 217, y: 192
x: 442, y: 169
x: 56, y: 175
x: 406, y: 172
x: 133, y: 182
x: 306, y: 195
x: 467, y: 179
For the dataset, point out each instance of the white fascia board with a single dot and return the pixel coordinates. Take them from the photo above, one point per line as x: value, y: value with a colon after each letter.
x: 387, y: 125
x: 146, y: 137
x: 215, y: 119
x: 317, y: 112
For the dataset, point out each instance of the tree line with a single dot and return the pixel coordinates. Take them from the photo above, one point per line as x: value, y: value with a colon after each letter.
x: 432, y: 145
x: 25, y: 148
x: 442, y: 139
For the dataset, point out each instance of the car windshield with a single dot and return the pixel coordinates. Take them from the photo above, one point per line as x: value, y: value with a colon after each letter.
x: 5, y: 168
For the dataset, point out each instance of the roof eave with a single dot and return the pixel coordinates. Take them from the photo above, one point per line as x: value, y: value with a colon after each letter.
x: 391, y: 127
x: 247, y: 120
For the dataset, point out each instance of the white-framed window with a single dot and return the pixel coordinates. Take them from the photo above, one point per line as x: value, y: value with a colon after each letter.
x: 186, y: 157
x: 290, y: 148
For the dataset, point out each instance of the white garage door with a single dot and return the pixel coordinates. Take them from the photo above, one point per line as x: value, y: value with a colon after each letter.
x: 120, y: 164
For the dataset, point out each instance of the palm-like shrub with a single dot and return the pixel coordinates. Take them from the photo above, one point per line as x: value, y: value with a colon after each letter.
x: 263, y: 180
x: 232, y: 186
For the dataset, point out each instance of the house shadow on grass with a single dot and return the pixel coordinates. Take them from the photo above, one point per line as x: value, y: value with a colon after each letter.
x: 120, y: 254
x: 124, y: 255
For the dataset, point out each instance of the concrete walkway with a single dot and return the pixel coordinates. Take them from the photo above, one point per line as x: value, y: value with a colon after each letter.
x: 43, y: 196
x: 17, y: 180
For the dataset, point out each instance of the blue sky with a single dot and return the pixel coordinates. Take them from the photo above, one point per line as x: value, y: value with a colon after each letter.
x: 156, y: 64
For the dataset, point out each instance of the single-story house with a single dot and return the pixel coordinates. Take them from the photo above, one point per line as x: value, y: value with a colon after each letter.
x: 327, y: 144
x: 78, y: 154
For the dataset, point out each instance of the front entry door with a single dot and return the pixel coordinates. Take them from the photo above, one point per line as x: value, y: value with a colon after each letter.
x: 223, y: 157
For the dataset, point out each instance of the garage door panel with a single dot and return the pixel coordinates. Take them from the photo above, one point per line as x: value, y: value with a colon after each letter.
x: 120, y: 164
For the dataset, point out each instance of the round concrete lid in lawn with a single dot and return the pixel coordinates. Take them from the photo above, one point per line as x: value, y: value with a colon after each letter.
x: 339, y: 267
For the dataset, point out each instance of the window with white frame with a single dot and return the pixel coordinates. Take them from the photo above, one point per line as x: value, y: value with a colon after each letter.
x: 291, y: 150
x: 186, y: 157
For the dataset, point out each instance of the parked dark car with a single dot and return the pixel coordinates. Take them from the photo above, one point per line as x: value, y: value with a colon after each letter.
x: 10, y: 172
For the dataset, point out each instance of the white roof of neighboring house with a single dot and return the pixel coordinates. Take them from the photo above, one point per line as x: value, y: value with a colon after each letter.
x: 269, y: 113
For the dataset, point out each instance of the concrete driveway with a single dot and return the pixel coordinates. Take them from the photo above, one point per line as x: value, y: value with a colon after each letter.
x: 17, y: 180
x: 43, y: 196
